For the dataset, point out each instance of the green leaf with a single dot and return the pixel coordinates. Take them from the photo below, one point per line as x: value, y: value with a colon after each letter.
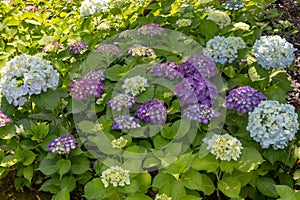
x: 28, y: 173
x: 86, y: 126
x: 227, y: 166
x: 151, y: 162
x: 63, y: 167
x: 114, y: 73
x: 62, y: 195
x: 29, y: 157
x: 7, y: 132
x: 68, y: 182
x: 266, y: 186
x: 178, y: 190
x: 48, y: 186
x: 47, y: 100
x: 144, y: 180
x: 8, y: 161
x: 146, y: 95
x: 80, y: 165
x: 254, y: 75
x: 138, y: 197
x: 230, y: 186
x: 48, y: 166
x: 208, y: 28
x: 208, y: 163
x: 249, y: 160
x: 96, y: 190
x: 285, y: 192
x: 181, y: 164
x: 162, y: 179
x: 190, y: 197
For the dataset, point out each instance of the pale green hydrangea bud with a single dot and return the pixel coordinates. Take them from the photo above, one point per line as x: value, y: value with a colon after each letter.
x: 119, y: 143
x: 116, y: 176
x: 135, y: 85
x: 219, y: 17
x: 162, y: 197
x: 183, y: 22
x: 242, y: 26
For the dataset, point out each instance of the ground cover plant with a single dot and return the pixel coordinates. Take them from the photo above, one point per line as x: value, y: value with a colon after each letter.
x: 164, y: 100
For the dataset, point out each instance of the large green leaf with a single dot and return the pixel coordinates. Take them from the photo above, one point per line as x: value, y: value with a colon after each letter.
x: 68, y: 182
x: 62, y: 195
x: 230, y: 186
x: 249, y: 160
x: 96, y: 190
x: 47, y: 100
x: 63, y: 166
x: 266, y: 186
x: 162, y: 179
x: 208, y: 163
x: 80, y: 165
x: 48, y: 166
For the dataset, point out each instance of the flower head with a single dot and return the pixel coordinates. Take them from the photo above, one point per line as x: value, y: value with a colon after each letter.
x: 52, y: 47
x: 121, y: 101
x: 125, y: 122
x: 4, y: 119
x: 273, y: 124
x: 199, y: 113
x: 242, y: 26
x: 104, y: 49
x: 162, y: 197
x: 244, y: 99
x: 117, y: 176
x: 26, y: 75
x: 233, y: 5
x: 119, y: 143
x: 63, y: 144
x: 168, y: 70
x: 219, y: 17
x: 90, y: 7
x: 154, y: 112
x: 96, y: 74
x: 139, y: 50
x: 78, y: 47
x: 224, y: 147
x: 222, y: 50
x: 183, y: 22
x: 81, y: 89
x: 30, y: 8
x: 135, y: 85
x: 151, y: 30
x: 273, y: 52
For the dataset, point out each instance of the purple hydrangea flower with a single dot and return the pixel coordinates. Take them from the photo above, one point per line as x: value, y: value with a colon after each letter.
x: 151, y: 30
x: 30, y: 8
x: 200, y: 113
x: 153, y: 112
x: 104, y: 49
x: 95, y: 75
x: 81, y: 89
x: 120, y: 101
x: 63, y: 144
x: 197, y: 65
x: 244, y: 99
x: 169, y: 70
x: 125, y: 122
x: 4, y: 119
x: 78, y: 47
x: 185, y: 92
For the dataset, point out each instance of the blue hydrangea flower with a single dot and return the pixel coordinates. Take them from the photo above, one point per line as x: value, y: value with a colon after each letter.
x: 199, y: 113
x: 151, y: 30
x: 154, y: 112
x: 63, y: 144
x: 273, y: 124
x: 26, y: 75
x: 4, y: 119
x: 273, y: 52
x: 233, y: 5
x: 168, y: 70
x: 78, y: 47
x: 125, y: 122
x: 121, y: 101
x: 243, y: 99
x: 222, y: 50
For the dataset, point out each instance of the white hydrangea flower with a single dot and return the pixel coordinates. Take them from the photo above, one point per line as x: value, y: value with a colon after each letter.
x: 135, y: 85
x: 26, y: 75
x: 116, y: 176
x: 162, y: 197
x: 242, y: 26
x: 90, y: 7
x: 119, y: 143
x: 224, y: 147
x: 273, y: 52
x: 219, y: 17
x: 222, y: 50
x: 183, y: 22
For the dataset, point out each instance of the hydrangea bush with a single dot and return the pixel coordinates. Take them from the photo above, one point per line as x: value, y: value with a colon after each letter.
x: 146, y: 100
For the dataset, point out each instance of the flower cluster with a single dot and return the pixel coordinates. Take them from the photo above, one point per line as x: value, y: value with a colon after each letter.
x: 168, y: 70
x: 119, y: 143
x: 4, y: 119
x: 219, y: 17
x: 242, y: 26
x: 183, y: 22
x: 243, y: 99
x: 78, y: 47
x: 154, y: 112
x: 139, y: 50
x: 151, y: 30
x: 52, y: 47
x: 63, y: 144
x: 135, y: 85
x: 120, y: 101
x: 199, y: 113
x: 224, y: 147
x: 273, y: 124
x: 162, y: 197
x: 90, y: 7
x: 125, y: 122
x: 117, y: 176
x: 104, y: 49
x: 233, y: 5
x: 197, y: 65
x: 222, y: 50
x: 90, y: 85
x: 30, y: 8
x: 273, y: 52
x: 26, y: 75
